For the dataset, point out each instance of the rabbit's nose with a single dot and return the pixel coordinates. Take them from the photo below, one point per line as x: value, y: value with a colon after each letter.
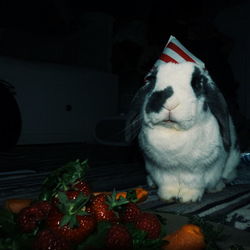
x: 171, y: 105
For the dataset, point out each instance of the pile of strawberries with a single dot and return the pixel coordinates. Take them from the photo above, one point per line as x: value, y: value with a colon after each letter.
x: 69, y: 216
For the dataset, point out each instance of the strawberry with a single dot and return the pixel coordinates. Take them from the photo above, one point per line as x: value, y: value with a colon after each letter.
x: 47, y: 239
x: 82, y: 186
x: 102, y: 207
x: 70, y: 221
x: 79, y: 187
x: 29, y: 218
x: 73, y: 233
x: 71, y: 194
x: 118, y: 237
x: 44, y: 206
x: 149, y: 223
x: 129, y: 213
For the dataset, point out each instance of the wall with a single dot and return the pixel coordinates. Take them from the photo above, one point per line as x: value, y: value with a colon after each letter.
x: 234, y: 22
x: 43, y: 92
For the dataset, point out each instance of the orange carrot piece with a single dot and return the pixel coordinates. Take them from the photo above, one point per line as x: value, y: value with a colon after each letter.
x: 16, y: 205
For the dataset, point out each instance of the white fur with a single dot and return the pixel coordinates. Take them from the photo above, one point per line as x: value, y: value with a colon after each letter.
x: 185, y: 157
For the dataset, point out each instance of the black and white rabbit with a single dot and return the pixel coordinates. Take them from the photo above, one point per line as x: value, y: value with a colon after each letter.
x: 185, y: 132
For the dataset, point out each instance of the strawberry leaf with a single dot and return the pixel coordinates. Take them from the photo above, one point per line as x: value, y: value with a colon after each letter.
x: 63, y: 199
x: 65, y: 220
x: 97, y: 238
x: 82, y: 213
x: 62, y: 178
x: 7, y: 222
x: 131, y: 195
x: 140, y: 240
x: 17, y: 241
x: 73, y: 222
x: 113, y: 203
x: 80, y: 201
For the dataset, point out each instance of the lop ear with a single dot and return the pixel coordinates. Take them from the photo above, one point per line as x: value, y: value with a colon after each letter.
x: 133, y: 120
x: 218, y: 106
x: 134, y: 116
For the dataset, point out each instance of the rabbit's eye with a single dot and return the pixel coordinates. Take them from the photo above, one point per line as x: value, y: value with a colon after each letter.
x: 196, y: 82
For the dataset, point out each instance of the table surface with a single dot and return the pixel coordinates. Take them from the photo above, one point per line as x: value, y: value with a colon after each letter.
x: 235, y: 236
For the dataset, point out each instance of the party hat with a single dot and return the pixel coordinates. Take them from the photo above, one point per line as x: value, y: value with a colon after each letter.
x: 175, y: 52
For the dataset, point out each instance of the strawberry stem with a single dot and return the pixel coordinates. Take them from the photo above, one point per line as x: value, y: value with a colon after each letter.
x: 71, y: 208
x: 62, y: 178
x: 112, y: 202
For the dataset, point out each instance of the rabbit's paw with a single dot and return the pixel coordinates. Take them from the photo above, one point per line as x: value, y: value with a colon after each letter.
x: 190, y: 195
x: 218, y: 187
x: 168, y: 193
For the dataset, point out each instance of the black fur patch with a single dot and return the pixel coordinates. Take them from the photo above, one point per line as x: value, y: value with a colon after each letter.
x: 205, y: 106
x: 196, y: 82
x: 237, y: 144
x: 133, y: 121
x: 218, y: 107
x: 157, y: 100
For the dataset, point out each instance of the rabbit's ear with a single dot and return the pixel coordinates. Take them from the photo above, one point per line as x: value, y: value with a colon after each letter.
x: 215, y: 101
x: 134, y: 116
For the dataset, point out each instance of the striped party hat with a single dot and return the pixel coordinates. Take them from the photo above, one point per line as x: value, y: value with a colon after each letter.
x: 175, y: 52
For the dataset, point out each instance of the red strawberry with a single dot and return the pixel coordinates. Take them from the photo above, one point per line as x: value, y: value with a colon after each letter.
x: 101, y: 206
x: 70, y: 221
x: 149, y: 223
x: 74, y: 234
x: 71, y: 194
x: 77, y: 188
x: 29, y: 218
x: 118, y: 237
x: 44, y: 206
x: 82, y: 186
x: 129, y: 212
x: 48, y: 239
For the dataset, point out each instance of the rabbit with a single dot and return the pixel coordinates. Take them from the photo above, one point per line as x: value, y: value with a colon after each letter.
x: 185, y: 132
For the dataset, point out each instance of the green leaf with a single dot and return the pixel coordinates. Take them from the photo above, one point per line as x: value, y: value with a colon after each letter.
x: 82, y: 213
x: 45, y: 195
x: 6, y: 243
x: 7, y: 222
x: 131, y: 195
x: 62, y: 178
x: 80, y: 201
x: 97, y: 238
x: 63, y: 198
x: 24, y: 241
x: 113, y: 203
x: 18, y: 241
x: 140, y: 240
x: 65, y: 220
x: 73, y: 222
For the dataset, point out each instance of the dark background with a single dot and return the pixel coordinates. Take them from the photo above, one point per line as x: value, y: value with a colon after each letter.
x: 140, y: 30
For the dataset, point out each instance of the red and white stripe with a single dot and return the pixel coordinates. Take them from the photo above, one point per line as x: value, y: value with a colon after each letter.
x: 175, y: 52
